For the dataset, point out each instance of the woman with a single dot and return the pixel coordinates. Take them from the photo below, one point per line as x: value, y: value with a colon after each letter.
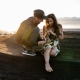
x: 54, y: 31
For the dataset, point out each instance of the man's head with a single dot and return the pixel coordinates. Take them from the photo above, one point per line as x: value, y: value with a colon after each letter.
x: 39, y: 15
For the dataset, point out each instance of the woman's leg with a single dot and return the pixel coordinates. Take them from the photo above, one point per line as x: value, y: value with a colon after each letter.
x: 47, y: 58
x: 54, y: 51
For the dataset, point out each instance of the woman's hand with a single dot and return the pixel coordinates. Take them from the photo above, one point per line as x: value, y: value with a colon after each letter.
x: 41, y: 42
x: 52, y: 32
x: 48, y: 32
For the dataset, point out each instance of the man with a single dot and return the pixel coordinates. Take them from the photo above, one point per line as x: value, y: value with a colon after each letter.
x: 28, y: 32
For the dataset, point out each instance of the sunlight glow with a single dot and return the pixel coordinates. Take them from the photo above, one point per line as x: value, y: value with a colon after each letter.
x: 13, y: 12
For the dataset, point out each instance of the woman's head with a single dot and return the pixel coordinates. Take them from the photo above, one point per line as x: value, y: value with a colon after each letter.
x: 51, y: 20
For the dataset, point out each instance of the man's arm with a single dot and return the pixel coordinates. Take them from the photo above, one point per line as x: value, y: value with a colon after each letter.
x: 19, y: 33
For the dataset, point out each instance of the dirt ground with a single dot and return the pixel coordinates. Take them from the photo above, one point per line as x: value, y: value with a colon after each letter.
x: 8, y: 45
x: 15, y: 66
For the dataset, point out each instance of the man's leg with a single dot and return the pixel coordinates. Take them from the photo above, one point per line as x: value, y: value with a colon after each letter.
x: 32, y: 39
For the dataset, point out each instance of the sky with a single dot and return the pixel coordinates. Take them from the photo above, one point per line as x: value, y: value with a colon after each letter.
x: 13, y: 12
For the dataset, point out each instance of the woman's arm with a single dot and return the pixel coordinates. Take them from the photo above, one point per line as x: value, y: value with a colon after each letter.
x: 61, y: 32
x: 45, y: 33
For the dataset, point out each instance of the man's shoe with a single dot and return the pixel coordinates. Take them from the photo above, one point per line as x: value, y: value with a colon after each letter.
x: 29, y: 53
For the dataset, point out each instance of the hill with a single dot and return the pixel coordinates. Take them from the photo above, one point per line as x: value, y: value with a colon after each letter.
x: 68, y: 20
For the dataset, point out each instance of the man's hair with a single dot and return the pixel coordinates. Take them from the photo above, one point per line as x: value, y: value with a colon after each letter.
x: 39, y: 13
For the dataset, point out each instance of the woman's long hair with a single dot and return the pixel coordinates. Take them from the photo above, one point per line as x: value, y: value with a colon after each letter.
x: 55, y: 24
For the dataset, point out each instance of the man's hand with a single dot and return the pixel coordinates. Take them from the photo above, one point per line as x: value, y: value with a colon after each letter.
x: 44, y: 39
